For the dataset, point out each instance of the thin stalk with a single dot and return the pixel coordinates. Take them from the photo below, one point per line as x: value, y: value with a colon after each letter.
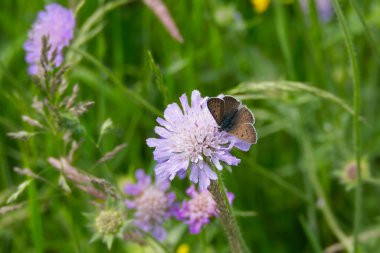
x: 314, y: 241
x: 230, y: 226
x: 356, y: 123
x: 117, y: 82
x: 328, y: 214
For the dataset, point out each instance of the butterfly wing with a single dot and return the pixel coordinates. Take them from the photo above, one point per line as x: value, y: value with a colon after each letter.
x: 216, y: 108
x: 231, y: 105
x: 245, y: 116
x: 245, y: 132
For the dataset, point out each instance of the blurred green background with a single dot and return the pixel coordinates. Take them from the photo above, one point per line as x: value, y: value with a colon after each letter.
x: 305, y: 135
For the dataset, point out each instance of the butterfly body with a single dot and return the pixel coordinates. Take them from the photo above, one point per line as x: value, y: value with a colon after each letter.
x: 228, y: 121
x: 233, y: 118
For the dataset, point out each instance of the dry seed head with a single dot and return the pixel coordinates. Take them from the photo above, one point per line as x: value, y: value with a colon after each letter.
x: 31, y: 121
x: 21, y: 135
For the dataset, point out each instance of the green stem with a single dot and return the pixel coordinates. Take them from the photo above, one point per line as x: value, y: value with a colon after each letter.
x: 119, y: 84
x: 230, y: 226
x: 328, y: 214
x: 314, y: 241
x: 355, y: 76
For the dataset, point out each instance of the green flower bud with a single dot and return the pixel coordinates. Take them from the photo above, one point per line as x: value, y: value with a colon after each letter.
x: 109, y: 222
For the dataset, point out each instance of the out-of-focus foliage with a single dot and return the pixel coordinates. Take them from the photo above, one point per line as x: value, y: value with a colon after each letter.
x: 290, y: 68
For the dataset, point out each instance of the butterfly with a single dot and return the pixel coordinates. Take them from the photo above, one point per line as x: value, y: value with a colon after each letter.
x: 233, y: 118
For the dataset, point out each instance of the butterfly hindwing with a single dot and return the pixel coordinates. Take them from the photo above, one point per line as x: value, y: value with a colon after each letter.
x: 245, y: 116
x: 216, y: 108
x: 231, y: 105
x: 245, y: 132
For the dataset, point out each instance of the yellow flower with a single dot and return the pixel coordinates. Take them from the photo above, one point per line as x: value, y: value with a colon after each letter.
x: 183, y: 248
x: 260, y: 5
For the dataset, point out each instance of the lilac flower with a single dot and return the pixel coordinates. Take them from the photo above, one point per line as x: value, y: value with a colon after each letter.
x: 152, y: 204
x: 190, y: 137
x: 58, y: 24
x: 198, y: 211
x: 324, y: 7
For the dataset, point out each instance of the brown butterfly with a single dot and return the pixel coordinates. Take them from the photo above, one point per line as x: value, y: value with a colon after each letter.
x: 233, y: 117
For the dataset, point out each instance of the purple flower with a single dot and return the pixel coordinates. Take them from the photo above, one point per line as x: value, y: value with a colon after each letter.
x: 198, y: 211
x: 190, y: 137
x: 58, y: 24
x: 324, y: 8
x: 152, y: 204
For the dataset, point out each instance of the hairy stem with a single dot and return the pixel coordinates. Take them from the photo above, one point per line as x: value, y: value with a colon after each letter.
x: 230, y: 226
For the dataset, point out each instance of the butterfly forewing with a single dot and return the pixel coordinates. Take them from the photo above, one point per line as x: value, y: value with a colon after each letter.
x: 245, y: 132
x: 245, y: 116
x: 216, y: 108
x: 231, y: 105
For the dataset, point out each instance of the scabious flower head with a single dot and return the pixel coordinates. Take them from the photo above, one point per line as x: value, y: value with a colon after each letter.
x: 151, y: 202
x: 198, y: 211
x: 57, y: 23
x: 190, y: 137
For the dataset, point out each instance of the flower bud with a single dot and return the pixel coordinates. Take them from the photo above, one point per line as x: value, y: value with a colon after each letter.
x: 109, y: 222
